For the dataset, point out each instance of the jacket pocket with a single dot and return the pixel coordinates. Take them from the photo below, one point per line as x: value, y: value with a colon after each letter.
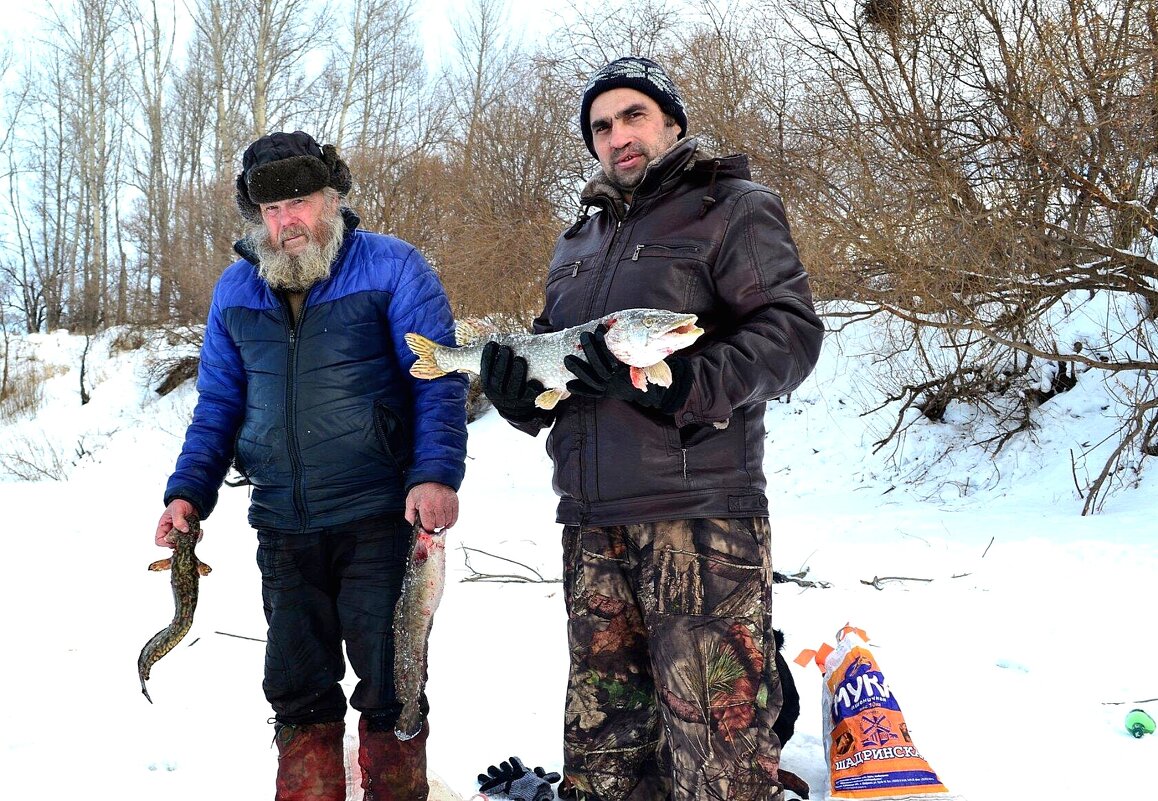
x: 711, y: 457
x: 660, y: 274
x: 569, y: 268
x: 238, y: 464
x: 258, y: 455
x: 393, y: 435
x: 673, y: 250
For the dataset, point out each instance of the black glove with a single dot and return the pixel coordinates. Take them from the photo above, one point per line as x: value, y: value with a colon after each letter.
x: 604, y: 376
x: 513, y: 780
x: 503, y: 378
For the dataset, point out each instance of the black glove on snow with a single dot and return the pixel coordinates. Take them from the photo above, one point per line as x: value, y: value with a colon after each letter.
x: 503, y: 379
x: 513, y: 780
x: 604, y: 376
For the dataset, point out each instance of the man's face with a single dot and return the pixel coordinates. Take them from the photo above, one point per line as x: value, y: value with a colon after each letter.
x: 629, y: 130
x: 298, y: 240
x: 294, y: 223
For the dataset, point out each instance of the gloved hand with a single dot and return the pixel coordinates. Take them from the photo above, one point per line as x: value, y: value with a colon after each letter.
x: 503, y: 379
x: 604, y: 376
x: 513, y: 780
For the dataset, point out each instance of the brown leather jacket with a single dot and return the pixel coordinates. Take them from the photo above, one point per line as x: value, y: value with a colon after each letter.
x: 699, y: 237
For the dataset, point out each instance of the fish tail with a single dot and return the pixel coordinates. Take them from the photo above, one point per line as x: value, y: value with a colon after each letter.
x: 409, y: 722
x: 424, y: 349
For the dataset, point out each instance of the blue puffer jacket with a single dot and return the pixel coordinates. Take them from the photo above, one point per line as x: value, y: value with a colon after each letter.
x: 323, y: 418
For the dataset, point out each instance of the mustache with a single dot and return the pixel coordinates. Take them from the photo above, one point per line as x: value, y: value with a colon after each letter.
x: 293, y: 230
x: 630, y: 150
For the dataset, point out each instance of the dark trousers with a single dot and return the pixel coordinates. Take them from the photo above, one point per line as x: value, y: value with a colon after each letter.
x: 321, y: 589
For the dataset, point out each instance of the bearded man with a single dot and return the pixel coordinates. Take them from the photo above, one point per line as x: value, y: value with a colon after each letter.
x: 304, y: 388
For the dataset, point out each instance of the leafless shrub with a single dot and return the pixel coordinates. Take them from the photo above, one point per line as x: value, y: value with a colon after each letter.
x: 174, y: 372
x: 128, y: 339
x: 23, y: 390
x: 35, y: 460
x: 974, y: 166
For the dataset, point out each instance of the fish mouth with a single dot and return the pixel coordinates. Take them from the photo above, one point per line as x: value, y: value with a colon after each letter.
x: 684, y: 327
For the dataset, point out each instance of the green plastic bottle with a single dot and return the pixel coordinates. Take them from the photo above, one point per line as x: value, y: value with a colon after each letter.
x: 1139, y: 723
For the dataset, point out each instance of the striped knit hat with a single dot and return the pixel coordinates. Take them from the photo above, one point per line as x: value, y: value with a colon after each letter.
x: 638, y: 73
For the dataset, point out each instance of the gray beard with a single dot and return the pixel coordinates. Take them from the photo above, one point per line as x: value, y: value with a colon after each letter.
x: 298, y: 273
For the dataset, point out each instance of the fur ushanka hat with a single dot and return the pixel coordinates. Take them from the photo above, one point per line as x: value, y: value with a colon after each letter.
x: 282, y: 165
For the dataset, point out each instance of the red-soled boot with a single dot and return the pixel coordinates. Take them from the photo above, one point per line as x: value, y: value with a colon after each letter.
x: 309, y: 762
x: 392, y: 769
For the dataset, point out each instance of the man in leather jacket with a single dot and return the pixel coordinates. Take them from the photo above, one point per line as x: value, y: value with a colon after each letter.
x: 303, y: 386
x: 674, y: 689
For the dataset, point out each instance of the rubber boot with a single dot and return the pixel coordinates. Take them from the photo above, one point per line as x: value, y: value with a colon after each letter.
x: 310, y: 763
x: 392, y: 769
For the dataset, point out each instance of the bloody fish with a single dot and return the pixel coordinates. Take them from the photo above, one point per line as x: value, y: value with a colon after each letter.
x: 413, y: 617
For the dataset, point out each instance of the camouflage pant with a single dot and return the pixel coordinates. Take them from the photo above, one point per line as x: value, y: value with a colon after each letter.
x: 673, y: 687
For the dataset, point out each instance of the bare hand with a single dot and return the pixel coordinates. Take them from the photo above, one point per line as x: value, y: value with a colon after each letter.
x: 436, y: 505
x: 175, y: 516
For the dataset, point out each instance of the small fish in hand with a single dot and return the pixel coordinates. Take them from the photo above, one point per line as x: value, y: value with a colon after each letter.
x: 413, y: 617
x: 641, y: 338
x: 186, y: 571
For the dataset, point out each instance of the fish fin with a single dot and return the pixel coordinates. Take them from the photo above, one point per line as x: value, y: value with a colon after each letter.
x: 204, y: 569
x: 658, y: 373
x: 466, y: 333
x: 638, y: 378
x: 550, y: 398
x: 161, y: 564
x: 424, y: 349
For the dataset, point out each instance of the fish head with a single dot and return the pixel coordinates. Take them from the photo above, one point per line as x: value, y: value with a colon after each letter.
x: 643, y: 337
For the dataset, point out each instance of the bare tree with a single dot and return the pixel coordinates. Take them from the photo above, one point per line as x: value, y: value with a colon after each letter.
x: 91, y: 44
x: 153, y: 37
x: 283, y: 34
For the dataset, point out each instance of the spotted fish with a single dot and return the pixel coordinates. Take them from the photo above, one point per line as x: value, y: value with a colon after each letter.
x: 642, y: 338
x: 413, y: 617
x: 185, y: 572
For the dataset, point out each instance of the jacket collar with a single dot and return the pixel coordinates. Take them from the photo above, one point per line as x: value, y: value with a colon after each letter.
x: 677, y: 162
x: 599, y: 190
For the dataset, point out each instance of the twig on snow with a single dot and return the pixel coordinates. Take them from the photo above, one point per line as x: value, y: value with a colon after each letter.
x: 879, y: 580
x: 499, y: 577
x: 239, y: 636
x: 798, y: 578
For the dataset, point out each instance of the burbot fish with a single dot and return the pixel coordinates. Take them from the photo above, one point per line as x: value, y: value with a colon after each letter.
x: 641, y: 338
x: 413, y: 617
x: 186, y: 571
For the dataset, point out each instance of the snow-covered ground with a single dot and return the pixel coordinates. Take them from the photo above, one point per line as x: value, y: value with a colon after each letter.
x: 1015, y: 646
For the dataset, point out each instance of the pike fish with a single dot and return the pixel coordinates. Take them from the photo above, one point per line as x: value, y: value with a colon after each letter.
x: 413, y: 618
x: 185, y: 572
x: 641, y: 338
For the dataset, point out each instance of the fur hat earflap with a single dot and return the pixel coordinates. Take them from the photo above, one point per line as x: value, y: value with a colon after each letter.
x: 282, y: 165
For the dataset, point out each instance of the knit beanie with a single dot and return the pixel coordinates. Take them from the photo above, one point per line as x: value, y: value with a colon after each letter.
x: 282, y: 165
x: 638, y: 73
